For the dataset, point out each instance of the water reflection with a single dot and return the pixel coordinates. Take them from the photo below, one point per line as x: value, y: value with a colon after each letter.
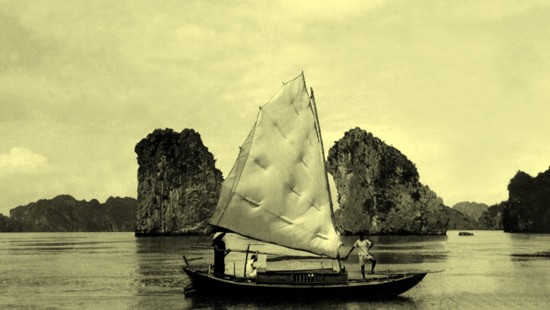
x: 159, y: 281
x: 119, y: 271
x: 55, y: 243
x: 484, y: 264
x: 159, y: 278
x: 530, y: 256
x: 266, y: 302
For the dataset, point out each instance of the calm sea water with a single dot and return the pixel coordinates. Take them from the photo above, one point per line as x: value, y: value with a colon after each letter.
x: 118, y: 271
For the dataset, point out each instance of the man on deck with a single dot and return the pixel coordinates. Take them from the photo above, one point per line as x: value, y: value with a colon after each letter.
x: 219, y: 254
x: 363, y: 245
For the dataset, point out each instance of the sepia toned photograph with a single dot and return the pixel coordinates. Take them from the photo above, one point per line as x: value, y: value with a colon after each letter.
x: 274, y: 154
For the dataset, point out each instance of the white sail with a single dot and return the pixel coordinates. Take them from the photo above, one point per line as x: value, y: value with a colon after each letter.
x: 277, y: 190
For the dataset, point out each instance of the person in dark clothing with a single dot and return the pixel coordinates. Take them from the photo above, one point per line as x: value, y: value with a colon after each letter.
x: 219, y: 255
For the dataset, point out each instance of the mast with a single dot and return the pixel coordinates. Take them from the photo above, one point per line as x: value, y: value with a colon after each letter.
x: 314, y: 106
x: 274, y: 192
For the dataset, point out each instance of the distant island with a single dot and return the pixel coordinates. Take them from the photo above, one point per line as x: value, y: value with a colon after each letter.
x: 528, y: 205
x: 459, y: 220
x: 378, y: 187
x: 527, y: 209
x: 472, y: 209
x: 178, y: 184
x: 378, y: 192
x: 479, y: 215
x: 66, y: 214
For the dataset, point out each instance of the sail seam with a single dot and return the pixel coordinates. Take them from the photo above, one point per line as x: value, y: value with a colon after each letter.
x: 256, y: 160
x: 294, y: 107
x: 322, y: 236
x: 294, y: 191
x: 250, y: 200
x: 238, y: 175
x: 275, y: 124
x: 286, y: 219
x: 246, y: 198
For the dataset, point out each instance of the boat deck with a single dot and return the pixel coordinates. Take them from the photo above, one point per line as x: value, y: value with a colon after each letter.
x: 374, y: 285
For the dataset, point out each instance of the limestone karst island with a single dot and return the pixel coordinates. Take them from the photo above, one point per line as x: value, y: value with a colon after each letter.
x: 378, y: 192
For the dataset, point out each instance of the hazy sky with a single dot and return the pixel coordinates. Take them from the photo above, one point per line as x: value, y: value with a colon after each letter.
x: 462, y: 88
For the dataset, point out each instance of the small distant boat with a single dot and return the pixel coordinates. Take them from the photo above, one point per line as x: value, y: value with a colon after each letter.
x: 278, y: 192
x: 465, y: 233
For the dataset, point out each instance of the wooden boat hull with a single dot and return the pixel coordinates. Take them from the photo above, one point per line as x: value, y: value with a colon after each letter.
x: 376, y: 287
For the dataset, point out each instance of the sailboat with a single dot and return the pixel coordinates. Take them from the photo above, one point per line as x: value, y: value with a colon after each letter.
x: 278, y: 192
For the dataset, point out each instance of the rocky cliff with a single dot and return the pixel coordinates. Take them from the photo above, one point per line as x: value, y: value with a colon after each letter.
x: 3, y: 223
x: 528, y: 206
x: 461, y: 221
x: 379, y: 190
x: 492, y: 217
x: 178, y: 183
x: 471, y: 209
x: 66, y: 214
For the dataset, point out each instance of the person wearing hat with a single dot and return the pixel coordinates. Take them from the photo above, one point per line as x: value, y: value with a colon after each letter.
x: 219, y: 254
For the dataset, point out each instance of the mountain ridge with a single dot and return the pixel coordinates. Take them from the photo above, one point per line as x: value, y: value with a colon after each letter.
x: 64, y: 213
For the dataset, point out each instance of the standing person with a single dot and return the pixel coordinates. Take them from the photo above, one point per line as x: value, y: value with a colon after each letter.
x: 219, y: 254
x: 363, y: 245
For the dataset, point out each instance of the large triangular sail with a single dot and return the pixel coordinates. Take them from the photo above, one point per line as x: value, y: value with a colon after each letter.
x: 277, y: 190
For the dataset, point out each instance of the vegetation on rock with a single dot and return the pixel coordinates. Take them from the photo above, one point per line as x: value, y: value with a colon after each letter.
x: 379, y: 190
x: 492, y: 217
x: 471, y: 209
x: 528, y: 206
x: 3, y: 222
x: 178, y: 183
x: 66, y: 214
x: 461, y: 221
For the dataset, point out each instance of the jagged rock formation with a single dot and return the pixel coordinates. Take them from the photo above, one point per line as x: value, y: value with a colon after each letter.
x: 460, y: 221
x: 471, y: 209
x: 528, y: 207
x: 492, y: 217
x: 178, y: 184
x: 3, y: 223
x: 66, y: 214
x: 379, y: 190
x: 482, y: 216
